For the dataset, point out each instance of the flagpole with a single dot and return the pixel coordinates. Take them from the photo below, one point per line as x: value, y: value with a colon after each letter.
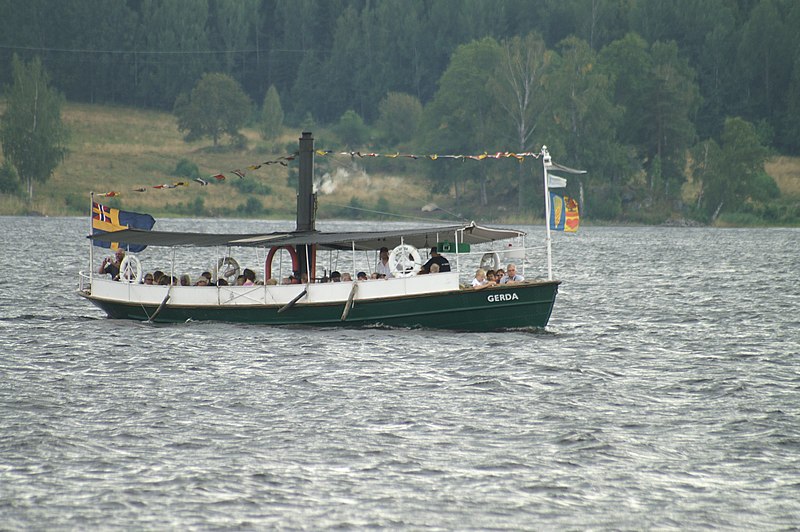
x: 545, y: 164
x: 91, y: 242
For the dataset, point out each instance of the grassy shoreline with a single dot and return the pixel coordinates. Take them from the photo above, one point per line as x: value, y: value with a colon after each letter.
x: 113, y: 148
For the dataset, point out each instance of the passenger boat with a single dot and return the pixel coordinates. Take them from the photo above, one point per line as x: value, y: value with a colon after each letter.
x: 442, y: 300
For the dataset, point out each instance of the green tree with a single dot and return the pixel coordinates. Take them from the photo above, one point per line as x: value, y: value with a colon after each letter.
x: 518, y: 89
x: 585, y: 122
x: 668, y: 120
x: 216, y: 106
x: 461, y: 118
x: 398, y: 117
x: 765, y: 58
x: 660, y: 97
x: 32, y: 133
x: 271, y: 115
x: 732, y: 171
x: 351, y: 129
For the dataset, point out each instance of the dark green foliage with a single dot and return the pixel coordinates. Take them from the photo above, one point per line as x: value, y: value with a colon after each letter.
x: 356, y: 207
x: 252, y: 186
x: 186, y: 168
x: 252, y: 207
x: 626, y: 90
x: 196, y: 207
x: 77, y: 203
x: 271, y: 122
x: 9, y: 181
x: 217, y: 106
x: 351, y: 130
x: 399, y: 117
x: 31, y: 131
x: 382, y: 205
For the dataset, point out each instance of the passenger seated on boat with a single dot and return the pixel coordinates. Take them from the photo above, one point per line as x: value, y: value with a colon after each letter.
x: 336, y: 277
x: 249, y: 277
x: 111, y: 265
x: 207, y: 275
x: 490, y: 276
x: 361, y: 276
x: 375, y: 275
x: 240, y: 280
x: 222, y: 282
x: 383, y: 264
x: 433, y: 268
x: 186, y: 280
x: 444, y: 264
x: 346, y: 277
x: 157, y: 275
x: 480, y: 280
x: 271, y: 282
x: 148, y: 278
x: 164, y: 281
x: 202, y: 281
x: 511, y: 275
x: 498, y: 274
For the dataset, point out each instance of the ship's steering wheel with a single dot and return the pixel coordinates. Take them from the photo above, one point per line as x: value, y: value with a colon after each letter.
x: 130, y: 269
x: 404, y: 261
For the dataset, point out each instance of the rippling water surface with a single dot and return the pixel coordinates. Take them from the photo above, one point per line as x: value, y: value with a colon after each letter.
x: 665, y: 393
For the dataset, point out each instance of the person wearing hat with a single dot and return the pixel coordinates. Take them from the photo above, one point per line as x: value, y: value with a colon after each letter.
x: 444, y: 264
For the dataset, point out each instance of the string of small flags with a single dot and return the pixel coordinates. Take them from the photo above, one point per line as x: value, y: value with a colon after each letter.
x: 240, y: 173
x: 286, y: 159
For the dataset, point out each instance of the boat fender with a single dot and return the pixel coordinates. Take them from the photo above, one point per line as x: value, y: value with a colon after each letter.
x: 404, y: 261
x: 228, y: 268
x: 291, y: 303
x: 130, y: 269
x: 271, y: 255
x: 349, y: 303
x: 490, y: 261
x: 160, y: 307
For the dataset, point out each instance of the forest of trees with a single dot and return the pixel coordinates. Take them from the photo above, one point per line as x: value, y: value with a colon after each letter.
x: 645, y: 94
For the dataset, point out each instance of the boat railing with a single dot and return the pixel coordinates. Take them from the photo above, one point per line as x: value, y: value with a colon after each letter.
x: 84, y: 282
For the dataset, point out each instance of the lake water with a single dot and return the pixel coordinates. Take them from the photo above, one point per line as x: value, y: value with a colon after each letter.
x: 665, y: 393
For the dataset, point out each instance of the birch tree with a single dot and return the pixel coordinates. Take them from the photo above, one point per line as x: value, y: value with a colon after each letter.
x: 518, y: 88
x: 31, y: 132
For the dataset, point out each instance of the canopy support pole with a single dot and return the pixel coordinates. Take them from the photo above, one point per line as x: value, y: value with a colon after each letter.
x: 545, y: 164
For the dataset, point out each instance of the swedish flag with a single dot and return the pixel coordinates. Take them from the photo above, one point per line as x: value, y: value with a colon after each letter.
x: 107, y: 220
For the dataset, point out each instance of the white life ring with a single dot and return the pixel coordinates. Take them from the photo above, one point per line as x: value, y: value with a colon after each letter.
x: 130, y: 269
x: 490, y: 261
x: 404, y: 261
x: 227, y: 268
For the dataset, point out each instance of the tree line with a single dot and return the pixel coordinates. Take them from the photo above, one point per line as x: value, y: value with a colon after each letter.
x: 642, y: 93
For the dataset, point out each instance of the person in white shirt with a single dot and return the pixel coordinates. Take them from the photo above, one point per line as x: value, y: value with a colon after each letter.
x: 383, y: 264
x: 480, y: 280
